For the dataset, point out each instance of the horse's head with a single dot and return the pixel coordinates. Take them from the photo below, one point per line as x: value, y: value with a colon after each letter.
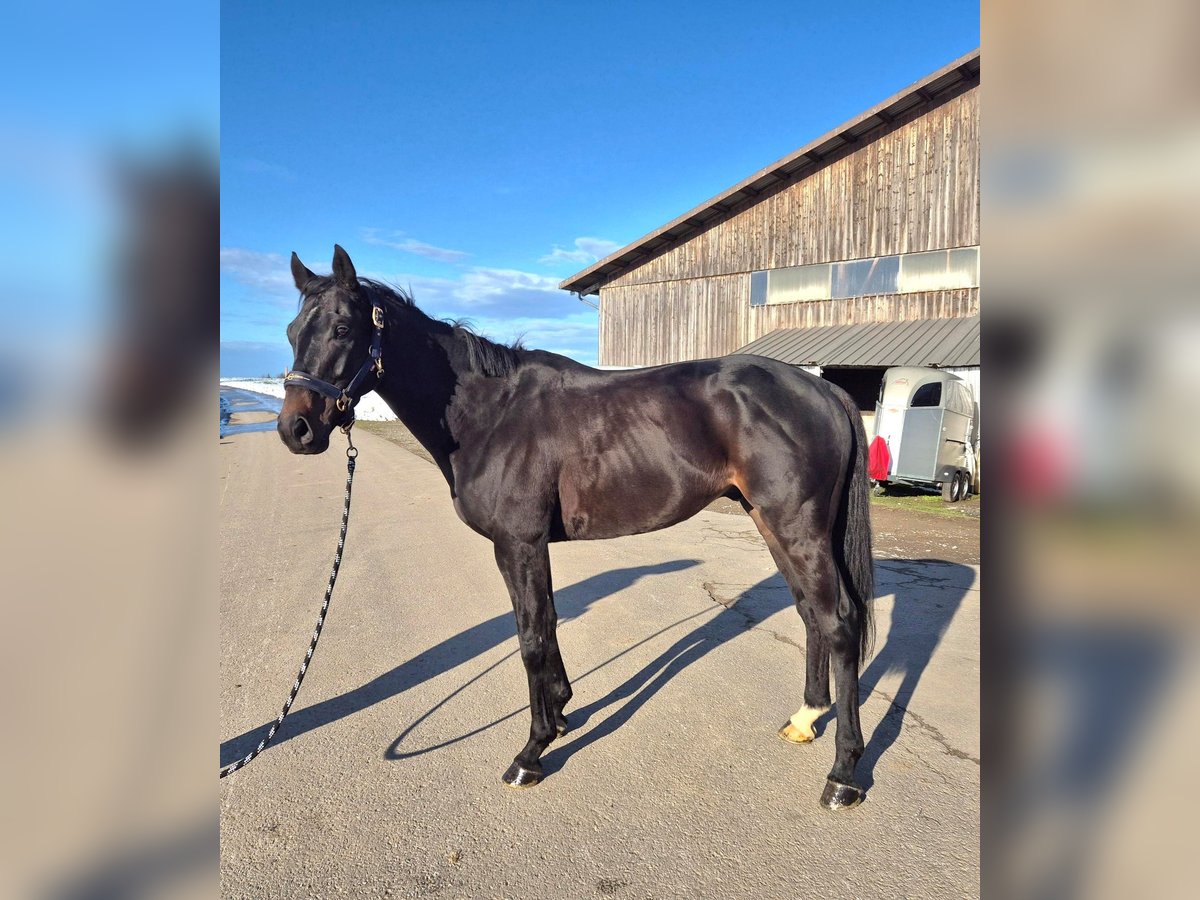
x: 336, y: 339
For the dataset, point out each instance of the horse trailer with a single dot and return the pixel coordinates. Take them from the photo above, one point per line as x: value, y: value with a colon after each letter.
x: 925, y: 432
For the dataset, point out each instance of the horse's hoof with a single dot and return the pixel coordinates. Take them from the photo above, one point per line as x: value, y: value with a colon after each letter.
x: 518, y: 776
x: 841, y: 796
x: 794, y: 735
x: 801, y: 727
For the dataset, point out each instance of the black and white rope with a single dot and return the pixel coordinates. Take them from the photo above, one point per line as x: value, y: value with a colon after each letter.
x: 351, y: 455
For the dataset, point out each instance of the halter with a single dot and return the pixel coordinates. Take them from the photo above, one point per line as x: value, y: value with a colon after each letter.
x: 348, y: 396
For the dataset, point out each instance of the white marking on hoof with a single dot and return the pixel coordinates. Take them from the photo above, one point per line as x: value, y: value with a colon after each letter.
x: 802, y: 720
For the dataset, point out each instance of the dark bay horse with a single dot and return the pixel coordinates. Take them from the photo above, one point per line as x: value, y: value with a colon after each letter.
x: 538, y: 448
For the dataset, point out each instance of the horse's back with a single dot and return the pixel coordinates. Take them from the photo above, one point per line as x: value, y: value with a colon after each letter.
x: 643, y: 449
x: 609, y: 453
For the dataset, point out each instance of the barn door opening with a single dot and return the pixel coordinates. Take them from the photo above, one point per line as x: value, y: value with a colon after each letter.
x: 862, y: 383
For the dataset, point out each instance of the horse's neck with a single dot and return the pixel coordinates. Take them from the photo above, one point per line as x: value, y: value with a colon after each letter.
x: 419, y: 384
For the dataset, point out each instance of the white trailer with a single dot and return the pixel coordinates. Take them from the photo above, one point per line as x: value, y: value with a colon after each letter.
x: 925, y: 432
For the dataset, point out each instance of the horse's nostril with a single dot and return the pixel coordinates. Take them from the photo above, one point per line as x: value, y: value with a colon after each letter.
x: 301, y: 431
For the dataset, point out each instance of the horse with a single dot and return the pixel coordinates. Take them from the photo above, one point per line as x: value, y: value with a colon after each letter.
x: 537, y: 448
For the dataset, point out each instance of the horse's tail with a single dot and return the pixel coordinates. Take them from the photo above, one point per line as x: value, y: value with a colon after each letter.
x: 854, y: 532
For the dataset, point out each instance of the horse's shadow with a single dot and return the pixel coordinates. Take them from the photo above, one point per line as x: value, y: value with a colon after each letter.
x: 443, y: 657
x: 745, y: 611
x: 928, y: 594
x: 927, y: 598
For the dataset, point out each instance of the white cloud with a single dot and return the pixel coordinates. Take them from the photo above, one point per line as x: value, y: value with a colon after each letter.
x: 500, y: 303
x: 587, y: 250
x: 575, y: 334
x: 558, y: 254
x: 481, y: 286
x: 396, y: 240
x: 265, y: 272
x: 504, y: 304
x: 484, y: 291
x: 598, y: 247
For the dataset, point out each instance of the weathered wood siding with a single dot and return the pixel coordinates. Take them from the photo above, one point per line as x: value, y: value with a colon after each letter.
x: 705, y: 317
x: 913, y: 187
x: 674, y: 321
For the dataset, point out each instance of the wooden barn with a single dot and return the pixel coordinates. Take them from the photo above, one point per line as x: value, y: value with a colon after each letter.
x: 856, y: 252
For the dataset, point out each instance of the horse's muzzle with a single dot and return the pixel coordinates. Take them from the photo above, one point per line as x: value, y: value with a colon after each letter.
x: 303, y: 434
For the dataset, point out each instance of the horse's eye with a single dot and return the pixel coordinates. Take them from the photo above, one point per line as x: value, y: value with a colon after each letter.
x: 342, y: 330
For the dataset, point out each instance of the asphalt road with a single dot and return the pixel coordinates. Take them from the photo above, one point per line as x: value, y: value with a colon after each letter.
x: 685, y: 654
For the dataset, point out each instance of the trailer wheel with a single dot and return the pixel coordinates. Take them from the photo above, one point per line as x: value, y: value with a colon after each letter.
x: 966, y: 487
x: 948, y: 490
x: 959, y: 489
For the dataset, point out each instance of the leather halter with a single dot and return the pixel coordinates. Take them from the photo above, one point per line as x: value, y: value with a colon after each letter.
x: 348, y: 396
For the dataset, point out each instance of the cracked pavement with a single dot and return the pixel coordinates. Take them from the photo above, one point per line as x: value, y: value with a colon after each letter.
x: 685, y: 653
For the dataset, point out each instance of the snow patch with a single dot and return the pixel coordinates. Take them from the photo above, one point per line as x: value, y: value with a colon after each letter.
x: 370, y: 408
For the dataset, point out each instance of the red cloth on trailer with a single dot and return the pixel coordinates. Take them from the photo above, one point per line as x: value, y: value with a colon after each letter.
x: 879, y: 460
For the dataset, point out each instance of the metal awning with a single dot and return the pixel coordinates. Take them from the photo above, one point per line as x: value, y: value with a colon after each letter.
x: 945, y: 343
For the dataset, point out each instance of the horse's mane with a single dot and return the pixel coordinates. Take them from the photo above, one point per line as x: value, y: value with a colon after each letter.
x: 485, y: 356
x: 482, y: 356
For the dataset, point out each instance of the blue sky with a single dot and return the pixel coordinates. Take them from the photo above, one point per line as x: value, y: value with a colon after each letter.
x: 479, y: 153
x: 95, y: 90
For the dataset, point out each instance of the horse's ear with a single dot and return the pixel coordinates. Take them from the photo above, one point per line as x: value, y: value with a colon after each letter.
x: 343, y: 269
x: 300, y: 272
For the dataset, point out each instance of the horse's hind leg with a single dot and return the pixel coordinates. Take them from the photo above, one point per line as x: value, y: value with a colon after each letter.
x: 837, y: 619
x: 803, y: 551
x: 799, y: 729
x: 526, y: 571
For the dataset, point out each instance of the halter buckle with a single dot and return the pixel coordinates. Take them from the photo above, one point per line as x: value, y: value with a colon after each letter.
x: 377, y: 316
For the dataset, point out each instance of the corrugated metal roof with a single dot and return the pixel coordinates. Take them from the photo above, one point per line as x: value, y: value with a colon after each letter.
x: 929, y: 92
x: 921, y: 342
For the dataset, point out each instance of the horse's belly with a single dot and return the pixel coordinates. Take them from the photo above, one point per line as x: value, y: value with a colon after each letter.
x: 605, y: 507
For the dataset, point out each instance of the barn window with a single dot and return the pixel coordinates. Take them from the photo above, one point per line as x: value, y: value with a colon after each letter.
x: 863, y: 277
x: 799, y: 283
x: 934, y: 270
x: 939, y: 270
x: 758, y: 288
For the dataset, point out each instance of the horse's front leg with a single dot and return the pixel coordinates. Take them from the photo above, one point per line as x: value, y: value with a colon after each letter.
x: 526, y: 570
x: 560, y: 684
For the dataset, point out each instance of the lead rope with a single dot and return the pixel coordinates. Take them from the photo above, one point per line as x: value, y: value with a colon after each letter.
x: 351, y: 455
